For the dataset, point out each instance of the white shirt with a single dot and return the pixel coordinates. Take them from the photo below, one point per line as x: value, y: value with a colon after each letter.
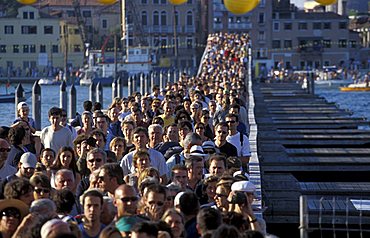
x: 7, y: 170
x: 235, y: 141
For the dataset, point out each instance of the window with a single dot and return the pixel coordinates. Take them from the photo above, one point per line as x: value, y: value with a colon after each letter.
x: 342, y: 25
x: 8, y: 29
x: 25, y: 15
x: 71, y: 13
x: 163, y: 45
x: 316, y: 25
x: 342, y: 43
x: 86, y: 13
x: 15, y: 48
x: 2, y: 48
x: 276, y: 26
x: 261, y: 35
x: 177, y: 18
x: 26, y: 30
x: 55, y: 49
x: 231, y: 19
x: 144, y: 1
x: 155, y: 1
x: 287, y: 26
x: 155, y: 18
x: 352, y: 44
x: 163, y: 1
x: 26, y: 49
x: 276, y: 44
x: 48, y: 30
x: 261, y: 17
x: 144, y: 18
x: 32, y: 48
x: 189, y: 18
x: 163, y: 18
x: 302, y: 26
x: 327, y: 25
x: 42, y: 48
x: 238, y: 19
x: 77, y: 48
x: 32, y: 15
x: 326, y: 43
x: 287, y: 43
x: 104, y: 23
x: 189, y: 43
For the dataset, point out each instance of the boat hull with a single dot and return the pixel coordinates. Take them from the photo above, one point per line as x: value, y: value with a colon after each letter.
x: 352, y: 89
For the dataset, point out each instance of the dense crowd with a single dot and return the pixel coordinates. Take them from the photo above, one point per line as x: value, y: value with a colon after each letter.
x: 173, y: 163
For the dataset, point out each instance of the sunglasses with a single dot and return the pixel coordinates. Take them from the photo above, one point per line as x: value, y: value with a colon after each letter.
x: 198, y: 128
x: 157, y: 203
x: 4, y: 149
x: 129, y: 199
x: 220, y: 195
x: 95, y: 160
x: 41, y: 190
x: 11, y: 212
x: 230, y: 121
x: 222, y: 132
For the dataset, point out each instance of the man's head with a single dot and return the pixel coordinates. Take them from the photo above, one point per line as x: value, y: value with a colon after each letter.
x: 154, y: 199
x: 102, y: 122
x: 55, y: 114
x: 208, y: 219
x: 189, y: 204
x: 172, y: 133
x: 100, y: 138
x: 180, y: 175
x: 155, y: 134
x: 185, y: 127
x: 145, y: 230
x: 65, y: 179
x: 47, y: 157
x: 92, y: 202
x: 110, y: 177
x: 125, y: 199
x: 4, y: 151
x: 195, y: 166
x: 19, y: 188
x: 190, y: 140
x: 54, y: 228
x: 221, y: 131
x: 95, y: 159
x: 217, y: 165
x: 232, y: 120
x: 27, y: 165
x: 140, y: 137
x: 127, y: 128
x: 168, y: 108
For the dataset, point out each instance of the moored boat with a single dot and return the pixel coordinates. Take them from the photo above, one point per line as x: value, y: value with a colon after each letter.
x: 356, y: 87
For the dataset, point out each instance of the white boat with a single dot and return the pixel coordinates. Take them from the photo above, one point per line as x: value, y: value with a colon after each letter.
x: 48, y: 81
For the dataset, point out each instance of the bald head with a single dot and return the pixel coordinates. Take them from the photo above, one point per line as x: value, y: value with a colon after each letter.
x: 125, y: 199
x: 4, y: 151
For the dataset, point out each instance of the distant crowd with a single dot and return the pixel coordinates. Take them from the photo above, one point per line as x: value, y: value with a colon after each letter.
x: 173, y: 163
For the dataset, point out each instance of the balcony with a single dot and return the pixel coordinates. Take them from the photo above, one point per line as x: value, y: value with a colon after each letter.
x: 163, y: 29
x: 318, y: 49
x: 240, y: 26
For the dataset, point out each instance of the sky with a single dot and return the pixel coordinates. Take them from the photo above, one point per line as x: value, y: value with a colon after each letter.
x: 298, y: 3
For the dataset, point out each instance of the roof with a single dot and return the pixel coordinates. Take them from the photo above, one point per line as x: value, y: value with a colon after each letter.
x: 42, y: 15
x: 318, y: 15
x: 69, y: 2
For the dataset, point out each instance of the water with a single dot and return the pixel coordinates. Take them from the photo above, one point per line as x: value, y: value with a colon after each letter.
x: 50, y: 98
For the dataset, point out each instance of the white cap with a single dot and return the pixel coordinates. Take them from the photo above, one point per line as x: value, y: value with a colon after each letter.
x: 21, y: 104
x: 243, y: 186
x: 28, y: 160
x: 197, y: 150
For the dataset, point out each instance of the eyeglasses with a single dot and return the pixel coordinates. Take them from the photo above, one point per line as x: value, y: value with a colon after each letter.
x: 95, y: 160
x: 157, y: 203
x: 222, y: 132
x: 220, y: 195
x: 230, y: 122
x: 41, y: 190
x: 129, y: 199
x: 4, y: 149
x: 11, y: 212
x: 198, y: 128
x: 206, y: 117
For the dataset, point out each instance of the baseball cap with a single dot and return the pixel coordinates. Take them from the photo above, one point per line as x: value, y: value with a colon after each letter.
x: 243, y: 186
x: 21, y: 104
x: 28, y: 160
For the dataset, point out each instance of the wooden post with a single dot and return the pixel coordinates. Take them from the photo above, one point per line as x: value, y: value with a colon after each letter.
x: 146, y: 83
x: 119, y: 87
x: 92, y: 92
x: 134, y: 79
x: 63, y: 95
x: 36, y: 104
x: 303, y: 217
x: 114, y: 88
x: 99, y: 93
x: 19, y: 97
x: 129, y: 86
x: 142, y: 84
x: 161, y: 75
x: 72, y: 101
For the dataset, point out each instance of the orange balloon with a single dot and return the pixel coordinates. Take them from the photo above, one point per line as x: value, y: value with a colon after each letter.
x: 27, y: 2
x: 177, y: 2
x: 326, y: 2
x: 239, y: 7
x: 107, y: 2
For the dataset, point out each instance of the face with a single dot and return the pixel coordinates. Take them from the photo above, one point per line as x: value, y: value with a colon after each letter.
x: 155, y: 135
x: 127, y: 131
x: 95, y: 161
x: 197, y: 170
x: 221, y: 133
x: 118, y: 148
x: 65, y: 159
x: 65, y: 180
x: 173, y: 133
x: 114, y: 112
x: 183, y: 132
x: 47, y: 158
x: 125, y: 199
x: 40, y: 192
x: 63, y: 119
x: 231, y: 122
x: 175, y: 222
x: 217, y: 168
x: 54, y: 120
x: 101, y: 123
x: 27, y: 198
x: 92, y: 208
x: 104, y: 181
x: 24, y: 112
x: 140, y: 140
x: 10, y: 219
x: 4, y: 151
x: 211, y: 190
x: 199, y: 129
x: 168, y: 108
x: 221, y: 198
x: 26, y: 172
x: 99, y: 140
x: 142, y: 163
x: 155, y: 203
x: 180, y: 177
x: 212, y: 106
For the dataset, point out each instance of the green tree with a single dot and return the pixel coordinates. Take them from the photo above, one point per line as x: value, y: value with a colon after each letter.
x: 10, y: 6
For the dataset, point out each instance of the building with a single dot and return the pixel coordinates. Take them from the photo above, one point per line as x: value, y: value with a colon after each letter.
x: 32, y: 43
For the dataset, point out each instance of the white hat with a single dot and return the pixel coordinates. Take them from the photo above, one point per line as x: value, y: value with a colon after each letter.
x: 242, y: 175
x: 243, y: 186
x: 197, y: 150
x: 28, y: 160
x: 21, y: 104
x: 176, y: 201
x: 209, y: 145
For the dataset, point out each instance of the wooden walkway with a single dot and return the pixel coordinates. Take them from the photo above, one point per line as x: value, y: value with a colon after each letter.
x: 307, y: 146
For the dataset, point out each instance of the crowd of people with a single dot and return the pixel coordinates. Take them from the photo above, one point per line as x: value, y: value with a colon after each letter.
x: 173, y: 163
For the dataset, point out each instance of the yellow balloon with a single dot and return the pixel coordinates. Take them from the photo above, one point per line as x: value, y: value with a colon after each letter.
x: 177, y: 2
x: 107, y: 2
x: 27, y: 2
x: 239, y: 7
x: 325, y: 2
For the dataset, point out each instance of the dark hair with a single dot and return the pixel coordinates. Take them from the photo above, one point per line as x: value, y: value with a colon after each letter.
x: 156, y: 188
x: 47, y: 149
x: 222, y: 124
x: 114, y: 170
x: 209, y: 219
x: 226, y: 231
x: 185, y: 124
x: 180, y: 113
x: 55, y: 111
x: 189, y: 204
x: 64, y: 200
x: 16, y: 135
x: 252, y: 234
x: 97, y: 106
x: 92, y: 193
x: 139, y: 129
x: 217, y: 157
x: 232, y: 115
x: 16, y: 188
x: 149, y: 228
x: 40, y: 178
x: 98, y: 132
x: 87, y: 105
x: 178, y: 167
x: 72, y: 165
x: 190, y: 161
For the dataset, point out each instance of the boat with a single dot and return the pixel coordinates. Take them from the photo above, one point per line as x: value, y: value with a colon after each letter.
x: 10, y: 97
x: 356, y: 87
x: 48, y: 81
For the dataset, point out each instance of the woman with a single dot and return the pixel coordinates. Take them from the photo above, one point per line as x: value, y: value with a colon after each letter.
x: 66, y: 160
x: 86, y: 124
x: 200, y: 129
x: 223, y: 188
x: 176, y: 221
x: 12, y: 212
x: 182, y: 115
x: 140, y: 162
x: 41, y: 186
x: 208, y: 192
x: 118, y: 147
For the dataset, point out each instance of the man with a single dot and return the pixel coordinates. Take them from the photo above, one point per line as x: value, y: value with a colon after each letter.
x: 5, y: 168
x: 170, y: 138
x: 55, y: 228
x: 241, y: 127
x: 154, y: 199
x: 155, y: 135
x: 26, y: 165
x: 240, y: 141
x: 99, y: 136
x: 110, y: 177
x: 195, y: 166
x: 221, y: 132
x: 65, y: 179
x: 145, y: 230
x: 156, y: 93
x: 140, y: 139
x: 168, y: 111
x: 180, y: 176
x: 92, y: 202
x: 208, y: 220
x: 55, y: 136
x: 138, y: 118
x: 217, y: 165
x: 189, y: 206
